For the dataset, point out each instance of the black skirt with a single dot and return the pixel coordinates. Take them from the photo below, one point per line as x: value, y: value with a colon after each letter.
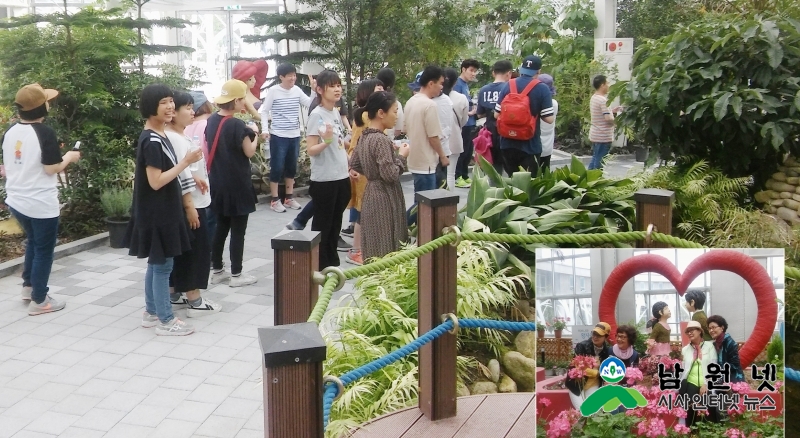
x: 192, y: 268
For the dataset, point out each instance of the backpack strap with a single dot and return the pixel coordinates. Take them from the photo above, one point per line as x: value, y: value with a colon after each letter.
x: 512, y: 84
x: 213, y: 149
x: 529, y: 87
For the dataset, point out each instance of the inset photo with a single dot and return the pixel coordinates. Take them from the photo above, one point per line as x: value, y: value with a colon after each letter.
x: 660, y: 342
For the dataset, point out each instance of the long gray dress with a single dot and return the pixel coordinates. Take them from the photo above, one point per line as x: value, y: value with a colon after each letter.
x: 383, y: 210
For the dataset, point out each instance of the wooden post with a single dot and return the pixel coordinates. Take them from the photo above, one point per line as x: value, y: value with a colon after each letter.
x: 292, y: 372
x: 436, y: 281
x: 296, y: 260
x: 654, y: 206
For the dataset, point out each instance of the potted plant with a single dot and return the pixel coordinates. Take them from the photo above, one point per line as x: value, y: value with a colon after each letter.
x: 540, y: 328
x: 558, y: 324
x: 561, y: 367
x: 116, y: 204
x: 550, y: 368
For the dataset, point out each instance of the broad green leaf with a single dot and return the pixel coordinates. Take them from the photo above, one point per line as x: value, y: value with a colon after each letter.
x: 522, y: 213
x: 775, y: 55
x: 517, y: 263
x: 736, y: 104
x: 721, y: 106
x: 518, y: 227
x: 497, y: 208
x: 797, y: 100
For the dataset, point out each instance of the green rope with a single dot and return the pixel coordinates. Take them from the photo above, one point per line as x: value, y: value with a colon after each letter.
x: 324, y: 299
x: 399, y: 258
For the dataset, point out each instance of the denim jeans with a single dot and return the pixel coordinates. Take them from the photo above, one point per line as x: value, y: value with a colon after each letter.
x: 283, y: 155
x: 156, y: 290
x: 305, y: 214
x: 41, y: 236
x: 462, y: 167
x: 422, y: 182
x: 599, y: 151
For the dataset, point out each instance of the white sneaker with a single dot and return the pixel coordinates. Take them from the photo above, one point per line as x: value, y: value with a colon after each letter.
x: 149, y: 320
x: 26, y: 293
x: 206, y: 307
x: 293, y: 204
x: 48, y: 305
x: 242, y: 280
x: 181, y: 302
x: 176, y: 327
x: 219, y: 277
x: 277, y: 206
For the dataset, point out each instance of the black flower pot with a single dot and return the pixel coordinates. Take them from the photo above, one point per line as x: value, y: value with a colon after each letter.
x: 641, y: 154
x: 116, y: 231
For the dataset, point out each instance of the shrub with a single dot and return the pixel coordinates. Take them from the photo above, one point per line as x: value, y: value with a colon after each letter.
x: 116, y: 203
x: 724, y: 89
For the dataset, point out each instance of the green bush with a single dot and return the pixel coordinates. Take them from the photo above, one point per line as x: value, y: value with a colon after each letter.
x: 381, y: 317
x: 116, y: 203
x: 724, y: 89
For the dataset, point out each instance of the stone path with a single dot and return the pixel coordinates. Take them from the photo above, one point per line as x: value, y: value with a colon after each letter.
x: 91, y: 370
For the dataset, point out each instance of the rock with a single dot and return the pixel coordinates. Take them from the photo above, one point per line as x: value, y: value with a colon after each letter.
x: 771, y: 209
x: 788, y: 215
x: 781, y: 186
x: 790, y: 161
x: 494, y: 369
x: 776, y: 202
x: 792, y: 180
x: 507, y: 384
x: 785, y: 195
x: 764, y: 196
x: 525, y: 342
x: 791, y: 203
x: 779, y: 176
x: 521, y: 369
x: 462, y: 390
x: 484, y: 388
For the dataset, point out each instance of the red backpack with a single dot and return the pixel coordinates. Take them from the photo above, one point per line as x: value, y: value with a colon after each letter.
x: 516, y: 121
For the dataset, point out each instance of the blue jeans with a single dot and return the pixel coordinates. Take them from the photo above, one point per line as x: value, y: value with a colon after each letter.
x: 599, y: 151
x: 156, y: 290
x: 422, y: 182
x: 283, y: 155
x: 305, y: 214
x: 355, y: 216
x: 41, y: 236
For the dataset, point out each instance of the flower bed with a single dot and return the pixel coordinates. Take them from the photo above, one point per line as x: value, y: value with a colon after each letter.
x: 558, y: 419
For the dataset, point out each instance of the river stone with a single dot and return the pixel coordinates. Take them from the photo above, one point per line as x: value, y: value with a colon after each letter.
x: 462, y: 390
x: 763, y: 196
x: 771, y: 209
x: 484, y: 388
x: 792, y: 180
x: 779, y: 176
x: 796, y: 197
x: 785, y: 195
x: 781, y: 186
x: 525, y: 342
x: 494, y: 370
x: 521, y: 369
x: 791, y: 203
x: 788, y: 215
x: 776, y: 202
x: 507, y: 384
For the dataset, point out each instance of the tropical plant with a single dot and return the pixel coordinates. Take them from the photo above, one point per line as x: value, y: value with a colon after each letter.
x: 723, y: 89
x: 568, y: 200
x: 116, y: 203
x: 705, y: 199
x: 381, y: 317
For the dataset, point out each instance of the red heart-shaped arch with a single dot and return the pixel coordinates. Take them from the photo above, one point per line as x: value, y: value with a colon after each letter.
x: 726, y: 260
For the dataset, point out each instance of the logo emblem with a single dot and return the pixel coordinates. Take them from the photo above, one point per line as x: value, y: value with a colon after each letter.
x: 612, y: 370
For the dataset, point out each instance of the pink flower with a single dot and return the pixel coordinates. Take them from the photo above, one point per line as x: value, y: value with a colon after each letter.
x: 561, y: 426
x: 651, y: 428
x: 681, y: 429
x: 740, y: 387
x: 778, y: 385
x: 633, y: 375
x: 734, y: 433
x: 545, y: 401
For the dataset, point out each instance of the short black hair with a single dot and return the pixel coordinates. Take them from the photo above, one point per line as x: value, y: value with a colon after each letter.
x: 327, y: 78
x: 598, y: 81
x: 386, y: 75
x: 365, y: 89
x: 432, y: 73
x: 467, y: 63
x: 698, y: 296
x: 36, y: 113
x: 720, y: 321
x: 150, y: 97
x: 502, y: 67
x: 450, y: 78
x: 285, y: 69
x: 182, y: 99
x: 379, y: 100
x: 629, y: 331
x: 657, y: 308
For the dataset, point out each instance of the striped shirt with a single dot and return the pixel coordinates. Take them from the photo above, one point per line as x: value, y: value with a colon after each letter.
x: 601, y: 130
x: 284, y: 107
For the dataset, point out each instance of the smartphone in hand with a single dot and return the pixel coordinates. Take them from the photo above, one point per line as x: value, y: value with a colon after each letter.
x: 77, y: 146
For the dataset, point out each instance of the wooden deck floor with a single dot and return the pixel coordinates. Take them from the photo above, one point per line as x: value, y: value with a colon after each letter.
x: 479, y: 416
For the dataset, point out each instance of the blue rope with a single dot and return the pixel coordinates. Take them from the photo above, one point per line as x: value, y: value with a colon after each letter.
x: 792, y: 374
x: 331, y: 389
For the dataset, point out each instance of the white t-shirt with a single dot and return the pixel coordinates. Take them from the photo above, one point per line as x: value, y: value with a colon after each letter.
x: 445, y: 107
x: 330, y: 164
x: 460, y: 117
x: 27, y: 148
x: 181, y: 144
x: 548, y: 133
x: 398, y: 125
x: 284, y: 107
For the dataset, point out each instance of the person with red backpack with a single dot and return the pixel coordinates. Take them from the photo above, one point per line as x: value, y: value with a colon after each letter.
x: 520, y: 107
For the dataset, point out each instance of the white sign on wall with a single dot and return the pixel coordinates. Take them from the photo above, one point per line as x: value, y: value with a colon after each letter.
x: 581, y: 333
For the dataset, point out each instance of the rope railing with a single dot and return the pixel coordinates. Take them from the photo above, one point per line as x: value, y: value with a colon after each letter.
x: 335, y: 386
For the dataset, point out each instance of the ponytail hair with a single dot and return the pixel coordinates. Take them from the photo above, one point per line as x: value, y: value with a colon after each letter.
x: 379, y: 100
x: 657, y: 308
